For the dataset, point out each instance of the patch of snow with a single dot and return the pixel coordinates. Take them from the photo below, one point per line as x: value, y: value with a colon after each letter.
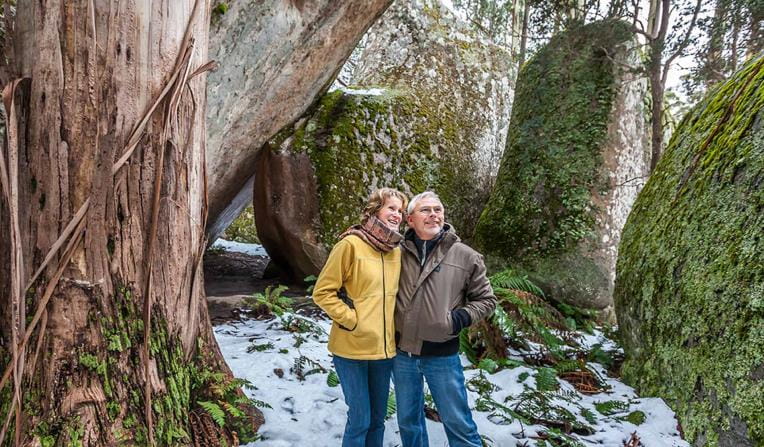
x: 240, y: 247
x: 363, y: 91
x: 310, y: 413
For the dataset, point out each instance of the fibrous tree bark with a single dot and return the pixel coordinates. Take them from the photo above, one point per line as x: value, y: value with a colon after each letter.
x: 292, y: 53
x: 103, y: 193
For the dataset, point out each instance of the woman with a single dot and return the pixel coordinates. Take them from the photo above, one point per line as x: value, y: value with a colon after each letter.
x: 357, y: 289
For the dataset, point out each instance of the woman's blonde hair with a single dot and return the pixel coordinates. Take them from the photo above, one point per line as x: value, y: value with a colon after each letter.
x: 378, y: 198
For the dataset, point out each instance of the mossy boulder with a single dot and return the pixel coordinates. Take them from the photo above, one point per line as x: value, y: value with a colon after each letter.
x: 432, y: 120
x: 690, y: 289
x: 577, y: 154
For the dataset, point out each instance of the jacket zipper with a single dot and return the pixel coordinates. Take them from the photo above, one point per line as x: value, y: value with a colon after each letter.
x: 384, y: 299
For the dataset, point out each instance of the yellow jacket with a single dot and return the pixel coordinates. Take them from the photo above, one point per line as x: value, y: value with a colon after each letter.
x: 364, y: 331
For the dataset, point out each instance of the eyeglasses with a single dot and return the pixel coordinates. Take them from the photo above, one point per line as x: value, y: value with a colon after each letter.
x: 427, y: 210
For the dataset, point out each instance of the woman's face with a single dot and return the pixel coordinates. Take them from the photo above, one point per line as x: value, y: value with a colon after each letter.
x: 391, y: 213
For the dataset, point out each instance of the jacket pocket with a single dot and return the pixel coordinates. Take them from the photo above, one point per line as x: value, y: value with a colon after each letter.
x: 439, y: 331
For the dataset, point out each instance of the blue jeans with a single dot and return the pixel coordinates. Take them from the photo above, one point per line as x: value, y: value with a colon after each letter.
x: 366, y: 386
x: 445, y: 380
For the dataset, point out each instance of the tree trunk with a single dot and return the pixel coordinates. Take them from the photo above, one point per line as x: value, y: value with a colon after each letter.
x: 92, y: 367
x: 656, y: 108
x: 524, y: 35
x: 756, y: 33
x: 293, y: 52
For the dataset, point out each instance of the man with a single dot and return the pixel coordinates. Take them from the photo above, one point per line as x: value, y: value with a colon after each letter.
x: 443, y: 288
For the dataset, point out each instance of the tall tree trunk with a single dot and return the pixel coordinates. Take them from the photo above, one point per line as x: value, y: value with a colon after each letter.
x: 756, y: 34
x: 124, y: 348
x: 293, y: 51
x: 524, y: 35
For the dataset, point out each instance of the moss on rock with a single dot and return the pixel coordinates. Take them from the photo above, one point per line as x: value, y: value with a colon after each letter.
x: 690, y: 288
x: 543, y: 209
x: 359, y: 142
x: 424, y: 111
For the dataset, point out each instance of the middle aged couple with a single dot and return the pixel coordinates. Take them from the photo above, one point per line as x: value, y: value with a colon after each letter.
x: 400, y: 310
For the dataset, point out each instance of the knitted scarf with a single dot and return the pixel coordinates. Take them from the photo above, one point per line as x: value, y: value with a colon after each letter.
x: 376, y: 234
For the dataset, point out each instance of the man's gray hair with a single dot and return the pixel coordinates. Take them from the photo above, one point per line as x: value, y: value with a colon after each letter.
x: 421, y: 196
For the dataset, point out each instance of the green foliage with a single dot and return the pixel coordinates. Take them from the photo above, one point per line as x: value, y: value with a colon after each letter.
x: 310, y: 280
x: 540, y: 407
x: 546, y: 380
x: 304, y: 366
x: 271, y: 299
x: 219, y: 9
x: 509, y: 279
x: 259, y: 347
x: 611, y: 407
x: 466, y: 348
x: 391, y: 405
x: 635, y: 417
x: 689, y: 289
x: 589, y: 416
x: 243, y: 229
x: 556, y: 438
x: 488, y: 365
x: 216, y: 413
x: 530, y: 318
x: 481, y: 385
x: 332, y: 379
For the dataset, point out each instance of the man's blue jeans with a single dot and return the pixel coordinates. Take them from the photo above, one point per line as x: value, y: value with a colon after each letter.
x: 445, y: 380
x: 366, y: 386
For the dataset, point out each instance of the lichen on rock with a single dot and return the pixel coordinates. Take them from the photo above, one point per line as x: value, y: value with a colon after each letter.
x: 576, y: 144
x: 690, y: 288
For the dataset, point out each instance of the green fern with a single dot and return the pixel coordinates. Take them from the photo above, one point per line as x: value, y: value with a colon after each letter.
x: 546, y: 380
x: 589, y: 416
x: 216, y: 413
x: 301, y: 365
x: 233, y: 411
x: 466, y: 348
x: 611, y: 407
x: 391, y: 405
x: 508, y: 279
x: 635, y: 417
x: 488, y: 365
x: 272, y: 299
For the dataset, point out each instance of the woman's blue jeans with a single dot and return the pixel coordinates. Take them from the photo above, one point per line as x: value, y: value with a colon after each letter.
x: 366, y: 386
x: 445, y: 379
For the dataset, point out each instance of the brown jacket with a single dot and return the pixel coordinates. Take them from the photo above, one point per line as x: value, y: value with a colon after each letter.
x: 453, y: 276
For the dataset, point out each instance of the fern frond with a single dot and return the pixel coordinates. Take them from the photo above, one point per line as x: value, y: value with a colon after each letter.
x: 214, y: 410
x: 391, y: 405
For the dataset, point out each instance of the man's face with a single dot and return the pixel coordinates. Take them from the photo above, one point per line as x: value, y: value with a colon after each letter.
x: 427, y: 218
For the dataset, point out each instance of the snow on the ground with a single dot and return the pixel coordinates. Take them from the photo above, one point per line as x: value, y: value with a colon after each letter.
x: 240, y: 247
x: 310, y: 413
x: 363, y: 91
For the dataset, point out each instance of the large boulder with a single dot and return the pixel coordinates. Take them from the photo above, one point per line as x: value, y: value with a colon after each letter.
x: 690, y: 288
x: 577, y: 154
x: 435, y: 118
x: 275, y: 58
